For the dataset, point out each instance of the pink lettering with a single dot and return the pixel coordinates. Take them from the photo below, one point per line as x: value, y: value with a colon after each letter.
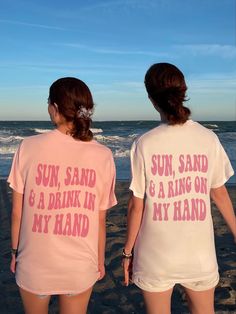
x: 67, y: 227
x: 152, y: 188
x: 157, y: 211
x: 41, y: 204
x: 196, y: 212
x: 162, y: 165
x: 186, y: 211
x: 46, y: 221
x: 68, y: 176
x: 200, y: 185
x: 47, y: 175
x: 66, y: 199
x: 39, y: 223
x: 85, y: 177
x: 195, y: 163
x: 161, y: 193
x: 76, y: 225
x: 157, y: 215
x: 89, y: 201
x: 179, y: 187
x: 177, y: 211
x: 58, y: 224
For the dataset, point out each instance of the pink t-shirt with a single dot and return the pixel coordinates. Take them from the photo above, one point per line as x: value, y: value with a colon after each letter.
x: 174, y: 168
x: 65, y: 183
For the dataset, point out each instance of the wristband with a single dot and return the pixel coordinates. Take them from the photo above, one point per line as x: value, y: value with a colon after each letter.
x: 125, y: 255
x: 13, y: 251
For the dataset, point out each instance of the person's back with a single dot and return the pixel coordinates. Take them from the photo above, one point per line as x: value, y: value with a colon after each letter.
x: 176, y: 167
x: 178, y: 178
x: 63, y: 182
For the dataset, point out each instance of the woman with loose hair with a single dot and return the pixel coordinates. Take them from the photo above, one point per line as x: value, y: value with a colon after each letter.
x: 63, y: 182
x: 176, y: 168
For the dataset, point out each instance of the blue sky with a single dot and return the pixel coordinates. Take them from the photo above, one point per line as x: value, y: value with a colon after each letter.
x: 110, y: 45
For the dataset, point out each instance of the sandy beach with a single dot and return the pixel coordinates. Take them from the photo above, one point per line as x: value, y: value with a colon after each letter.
x: 109, y: 295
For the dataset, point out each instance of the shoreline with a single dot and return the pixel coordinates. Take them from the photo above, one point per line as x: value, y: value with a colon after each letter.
x: 109, y: 295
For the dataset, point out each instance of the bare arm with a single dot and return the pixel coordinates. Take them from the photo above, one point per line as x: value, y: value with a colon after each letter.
x: 222, y: 200
x: 16, y: 214
x: 134, y: 219
x: 102, y: 242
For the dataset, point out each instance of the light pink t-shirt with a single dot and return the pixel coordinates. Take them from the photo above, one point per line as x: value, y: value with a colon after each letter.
x: 174, y: 168
x: 65, y: 183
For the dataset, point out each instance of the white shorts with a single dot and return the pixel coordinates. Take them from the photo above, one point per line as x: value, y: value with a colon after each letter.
x: 161, y: 286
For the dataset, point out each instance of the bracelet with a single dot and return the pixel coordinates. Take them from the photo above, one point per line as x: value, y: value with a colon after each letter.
x: 125, y: 255
x: 13, y: 251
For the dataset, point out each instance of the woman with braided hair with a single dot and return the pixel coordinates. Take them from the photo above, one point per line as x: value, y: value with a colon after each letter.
x: 63, y: 183
x: 176, y: 168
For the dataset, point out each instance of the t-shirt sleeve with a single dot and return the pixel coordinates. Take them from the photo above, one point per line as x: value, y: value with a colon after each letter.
x: 138, y: 182
x: 15, y: 179
x: 108, y: 199
x: 222, y: 169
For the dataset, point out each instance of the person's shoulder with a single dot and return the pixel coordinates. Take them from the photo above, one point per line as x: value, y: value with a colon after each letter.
x: 100, y: 148
x: 203, y: 130
x: 35, y: 139
x: 147, y: 136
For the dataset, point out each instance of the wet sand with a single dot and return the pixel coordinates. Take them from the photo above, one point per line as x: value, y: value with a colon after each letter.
x: 109, y: 295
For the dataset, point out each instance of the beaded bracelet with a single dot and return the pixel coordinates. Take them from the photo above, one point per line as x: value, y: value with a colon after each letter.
x: 13, y: 251
x: 125, y: 255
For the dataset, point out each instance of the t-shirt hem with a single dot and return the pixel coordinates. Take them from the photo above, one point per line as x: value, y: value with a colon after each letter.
x: 175, y: 281
x: 56, y: 292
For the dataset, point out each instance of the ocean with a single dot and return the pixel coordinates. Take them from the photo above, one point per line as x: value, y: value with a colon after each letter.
x: 117, y: 135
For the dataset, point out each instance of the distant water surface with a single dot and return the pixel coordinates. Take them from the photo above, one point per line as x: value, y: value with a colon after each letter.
x: 117, y: 135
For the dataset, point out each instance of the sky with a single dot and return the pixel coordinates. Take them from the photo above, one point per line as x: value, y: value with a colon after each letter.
x: 110, y: 45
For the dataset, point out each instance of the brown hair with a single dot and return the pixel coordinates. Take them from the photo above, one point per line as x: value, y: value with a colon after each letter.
x: 72, y: 97
x: 165, y: 84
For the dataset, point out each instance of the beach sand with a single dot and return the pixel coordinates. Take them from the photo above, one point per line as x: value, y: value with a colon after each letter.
x: 109, y: 295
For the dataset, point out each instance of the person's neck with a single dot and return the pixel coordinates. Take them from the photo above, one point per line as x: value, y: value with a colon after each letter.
x: 163, y: 117
x: 64, y: 128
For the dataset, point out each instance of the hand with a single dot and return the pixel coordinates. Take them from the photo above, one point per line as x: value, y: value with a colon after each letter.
x: 13, y: 263
x: 127, y: 264
x: 102, y: 271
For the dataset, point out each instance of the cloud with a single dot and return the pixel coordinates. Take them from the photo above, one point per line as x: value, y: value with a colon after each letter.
x: 225, y: 51
x: 105, y: 50
x: 213, y: 83
x: 31, y: 24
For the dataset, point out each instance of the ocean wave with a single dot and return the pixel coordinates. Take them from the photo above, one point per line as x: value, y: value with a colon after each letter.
x: 37, y: 130
x: 96, y: 130
x: 211, y: 126
x: 41, y: 130
x: 8, y: 150
x: 133, y: 136
x: 231, y: 136
x: 10, y: 139
x: 111, y: 138
x: 119, y: 153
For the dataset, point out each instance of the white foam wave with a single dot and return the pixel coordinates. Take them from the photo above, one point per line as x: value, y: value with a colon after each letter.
x: 133, y: 135
x: 96, y: 130
x: 111, y: 138
x: 211, y: 126
x: 4, y: 150
x: 10, y: 139
x: 41, y: 130
x: 119, y: 153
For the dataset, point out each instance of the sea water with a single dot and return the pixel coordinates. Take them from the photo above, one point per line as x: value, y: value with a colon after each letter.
x: 117, y: 135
